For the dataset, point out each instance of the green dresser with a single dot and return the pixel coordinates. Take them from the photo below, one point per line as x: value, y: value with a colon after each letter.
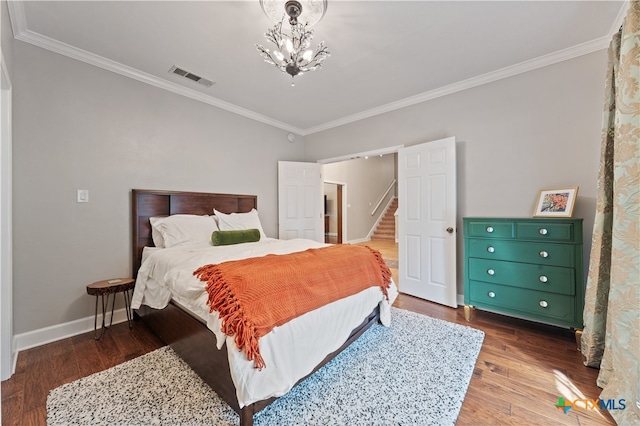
x: 526, y: 268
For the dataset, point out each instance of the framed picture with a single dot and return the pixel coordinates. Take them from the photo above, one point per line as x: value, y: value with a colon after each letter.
x: 556, y: 202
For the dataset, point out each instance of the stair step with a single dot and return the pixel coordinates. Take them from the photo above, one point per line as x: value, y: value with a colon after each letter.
x: 386, y: 229
x: 383, y: 237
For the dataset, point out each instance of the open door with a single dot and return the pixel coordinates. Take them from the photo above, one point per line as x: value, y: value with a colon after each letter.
x: 427, y: 221
x: 300, y: 201
x: 7, y: 355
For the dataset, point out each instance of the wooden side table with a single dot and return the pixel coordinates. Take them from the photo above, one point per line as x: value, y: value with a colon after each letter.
x: 107, y: 288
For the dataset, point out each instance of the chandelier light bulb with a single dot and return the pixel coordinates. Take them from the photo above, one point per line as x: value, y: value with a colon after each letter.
x: 289, y: 45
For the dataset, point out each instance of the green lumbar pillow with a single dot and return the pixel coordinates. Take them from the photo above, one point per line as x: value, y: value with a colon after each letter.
x: 225, y: 238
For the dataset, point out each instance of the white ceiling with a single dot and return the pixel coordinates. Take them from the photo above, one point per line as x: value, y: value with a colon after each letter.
x: 384, y: 54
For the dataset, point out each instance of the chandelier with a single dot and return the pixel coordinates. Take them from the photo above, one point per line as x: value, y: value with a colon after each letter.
x: 292, y: 54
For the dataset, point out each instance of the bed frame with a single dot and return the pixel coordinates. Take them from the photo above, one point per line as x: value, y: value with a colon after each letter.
x: 187, y: 335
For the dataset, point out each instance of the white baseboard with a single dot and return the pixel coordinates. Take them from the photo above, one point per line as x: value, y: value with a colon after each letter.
x: 460, y: 299
x: 53, y: 333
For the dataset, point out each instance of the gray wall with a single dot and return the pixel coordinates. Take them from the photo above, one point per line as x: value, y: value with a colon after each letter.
x: 366, y: 181
x: 537, y: 130
x: 80, y: 127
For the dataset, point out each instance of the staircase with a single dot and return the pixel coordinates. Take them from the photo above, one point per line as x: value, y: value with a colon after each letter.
x: 386, y: 229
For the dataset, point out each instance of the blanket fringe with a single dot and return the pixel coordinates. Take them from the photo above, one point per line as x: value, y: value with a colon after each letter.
x: 234, y: 321
x: 384, y: 270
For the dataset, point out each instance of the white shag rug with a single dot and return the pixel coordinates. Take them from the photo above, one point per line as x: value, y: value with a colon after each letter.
x: 415, y: 372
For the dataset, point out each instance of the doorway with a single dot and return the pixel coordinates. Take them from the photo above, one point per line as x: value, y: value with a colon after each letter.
x: 426, y: 250
x: 334, y: 199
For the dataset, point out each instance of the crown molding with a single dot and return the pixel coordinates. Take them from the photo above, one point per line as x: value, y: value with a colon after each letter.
x: 18, y: 23
x: 622, y: 14
x: 21, y: 33
x: 17, y: 17
x: 540, y: 62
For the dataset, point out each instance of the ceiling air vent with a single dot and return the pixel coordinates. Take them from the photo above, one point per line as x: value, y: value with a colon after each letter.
x: 186, y: 74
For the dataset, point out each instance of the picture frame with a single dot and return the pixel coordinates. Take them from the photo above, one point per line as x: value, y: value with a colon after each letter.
x: 556, y: 202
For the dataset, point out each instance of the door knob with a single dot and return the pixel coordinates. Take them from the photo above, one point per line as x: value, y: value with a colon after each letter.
x: 450, y: 230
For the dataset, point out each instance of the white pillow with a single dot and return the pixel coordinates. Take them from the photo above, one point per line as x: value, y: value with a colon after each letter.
x: 183, y: 229
x: 156, y: 235
x: 237, y: 221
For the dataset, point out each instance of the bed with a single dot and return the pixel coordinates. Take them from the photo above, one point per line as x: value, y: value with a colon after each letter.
x: 193, y: 335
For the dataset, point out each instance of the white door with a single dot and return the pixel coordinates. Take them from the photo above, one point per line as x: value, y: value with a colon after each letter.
x: 6, y: 271
x: 300, y: 201
x: 427, y: 221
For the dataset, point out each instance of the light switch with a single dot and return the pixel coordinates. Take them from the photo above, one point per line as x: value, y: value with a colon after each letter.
x: 83, y: 195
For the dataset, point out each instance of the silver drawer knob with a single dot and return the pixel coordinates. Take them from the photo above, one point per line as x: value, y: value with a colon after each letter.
x: 491, y: 294
x: 544, y: 303
x: 490, y: 249
x: 544, y: 254
x: 543, y: 231
x: 543, y: 279
x: 491, y: 271
x: 489, y: 228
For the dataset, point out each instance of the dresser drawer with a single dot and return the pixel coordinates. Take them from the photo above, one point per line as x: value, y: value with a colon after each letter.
x: 545, y: 231
x: 489, y: 229
x: 538, y: 304
x: 552, y: 279
x: 518, y: 251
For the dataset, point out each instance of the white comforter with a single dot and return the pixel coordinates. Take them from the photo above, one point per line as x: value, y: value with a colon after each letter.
x: 290, y: 351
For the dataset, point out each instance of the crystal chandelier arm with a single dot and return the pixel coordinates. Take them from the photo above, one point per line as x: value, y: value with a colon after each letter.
x: 274, y: 35
x: 300, y: 36
x: 268, y: 58
x: 305, y: 35
x: 316, y: 61
x: 321, y: 54
x: 265, y: 53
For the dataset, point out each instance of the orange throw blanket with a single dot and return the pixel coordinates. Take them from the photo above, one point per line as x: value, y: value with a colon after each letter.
x: 257, y: 294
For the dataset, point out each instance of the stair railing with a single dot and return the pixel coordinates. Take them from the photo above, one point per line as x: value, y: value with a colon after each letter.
x: 393, y: 182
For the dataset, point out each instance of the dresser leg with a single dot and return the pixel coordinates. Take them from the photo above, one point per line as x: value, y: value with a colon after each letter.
x: 468, y: 309
x: 579, y: 339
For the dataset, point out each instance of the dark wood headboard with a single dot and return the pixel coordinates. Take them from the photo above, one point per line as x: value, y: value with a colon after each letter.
x: 150, y: 203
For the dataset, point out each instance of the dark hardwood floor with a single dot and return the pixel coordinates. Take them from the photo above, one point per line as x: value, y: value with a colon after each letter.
x: 522, y: 370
